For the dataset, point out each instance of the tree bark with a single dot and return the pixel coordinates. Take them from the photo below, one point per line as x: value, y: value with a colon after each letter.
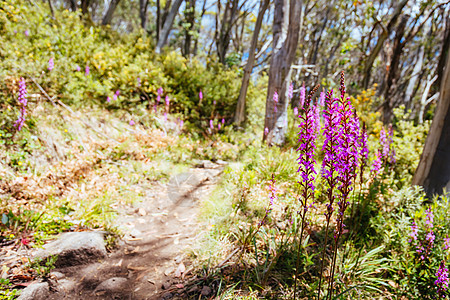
x: 286, y: 31
x: 143, y: 5
x: 223, y: 36
x: 433, y: 172
x: 85, y: 6
x: 167, y: 27
x: 240, y: 108
x: 73, y: 5
x: 379, y: 45
x: 444, y: 51
x: 107, y: 18
x: 190, y: 18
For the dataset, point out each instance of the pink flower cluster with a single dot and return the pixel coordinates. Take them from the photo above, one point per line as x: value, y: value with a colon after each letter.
x: 22, y: 98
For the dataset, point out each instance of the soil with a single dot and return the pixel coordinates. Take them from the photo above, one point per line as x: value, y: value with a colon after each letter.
x: 151, y: 256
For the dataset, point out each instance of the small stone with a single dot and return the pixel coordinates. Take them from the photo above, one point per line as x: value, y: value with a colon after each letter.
x: 74, y: 248
x: 167, y: 295
x: 114, y: 285
x: 206, y: 290
x: 35, y: 291
x: 166, y: 285
x: 140, y: 211
x: 57, y: 275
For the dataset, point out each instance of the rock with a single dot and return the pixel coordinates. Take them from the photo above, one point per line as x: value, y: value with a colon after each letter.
x: 206, y: 290
x: 166, y: 285
x: 35, y: 291
x: 112, y: 285
x: 74, y: 248
x: 57, y: 275
x: 134, y: 233
x: 167, y: 295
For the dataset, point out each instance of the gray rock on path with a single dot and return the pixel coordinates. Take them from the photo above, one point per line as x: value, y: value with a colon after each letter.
x: 35, y: 291
x: 74, y: 248
x: 112, y: 285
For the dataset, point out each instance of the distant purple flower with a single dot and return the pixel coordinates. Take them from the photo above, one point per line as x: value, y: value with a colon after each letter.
x: 132, y: 123
x: 200, y: 95
x: 442, y: 278
x: 78, y: 68
x: 115, y: 97
x: 211, y: 124
x: 108, y: 99
x: 376, y: 166
x: 266, y: 131
x: 51, y: 64
x: 117, y: 93
x: 86, y: 70
x: 165, y: 116
x: 219, y: 125
x: 384, y: 143
x: 181, y: 123
x: 138, y: 81
x: 167, y: 101
x: 430, y: 218
x: 22, y: 98
x: 430, y: 237
x: 295, y: 111
x: 275, y: 101
x: 414, y: 232
x: 446, y: 242
x: 223, y: 121
x: 302, y: 95
x: 214, y: 102
x: 322, y: 99
x: 27, y: 33
x: 291, y: 91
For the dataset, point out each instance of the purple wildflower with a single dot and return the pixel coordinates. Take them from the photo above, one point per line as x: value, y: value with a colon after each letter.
x: 22, y: 98
x: 181, y: 123
x: 302, y: 95
x: 275, y: 101
x: 27, y: 33
x: 446, y: 242
x: 223, y: 121
x: 295, y: 111
x: 384, y: 144
x: 430, y: 218
x: 139, y: 81
x: 200, y: 95
x: 86, y: 70
x: 165, y: 116
x: 77, y: 68
x: 219, y: 125
x: 266, y: 131
x: 51, y: 64
x: 117, y: 93
x: 442, y: 278
x: 108, y: 99
x: 322, y: 99
x: 291, y: 91
x: 114, y: 97
x: 167, y: 100
x: 211, y: 124
x: 132, y: 123
x: 307, y: 149
x: 414, y: 232
x: 376, y: 166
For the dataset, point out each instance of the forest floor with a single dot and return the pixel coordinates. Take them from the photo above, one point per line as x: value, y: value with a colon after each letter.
x: 151, y: 255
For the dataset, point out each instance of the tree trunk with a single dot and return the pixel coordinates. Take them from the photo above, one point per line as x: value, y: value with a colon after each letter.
x: 433, y: 172
x: 107, y: 18
x: 444, y: 51
x: 190, y: 19
x: 379, y: 45
x: 392, y: 75
x: 73, y: 5
x: 198, y: 28
x: 143, y: 5
x: 240, y: 108
x: 224, y: 35
x: 409, y: 94
x: 286, y: 30
x: 167, y: 27
x: 85, y: 6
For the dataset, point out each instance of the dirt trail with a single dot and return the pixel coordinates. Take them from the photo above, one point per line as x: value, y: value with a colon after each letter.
x: 150, y: 255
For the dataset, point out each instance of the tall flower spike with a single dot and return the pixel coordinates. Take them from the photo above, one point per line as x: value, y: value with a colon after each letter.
x: 86, y: 70
x: 291, y: 91
x: 51, y: 64
x: 22, y: 98
x: 302, y: 95
x: 442, y: 278
x: 275, y: 101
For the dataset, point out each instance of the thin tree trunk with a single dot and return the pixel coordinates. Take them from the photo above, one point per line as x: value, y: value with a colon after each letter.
x: 73, y: 5
x: 107, y: 18
x: 444, y: 52
x: 414, y: 77
x: 199, y: 27
x: 51, y: 8
x: 143, y: 5
x: 433, y: 172
x: 167, y: 27
x: 392, y: 75
x: 158, y: 19
x: 286, y: 30
x: 380, y: 42
x: 240, y: 108
x: 85, y: 7
x: 224, y: 35
x: 190, y: 18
